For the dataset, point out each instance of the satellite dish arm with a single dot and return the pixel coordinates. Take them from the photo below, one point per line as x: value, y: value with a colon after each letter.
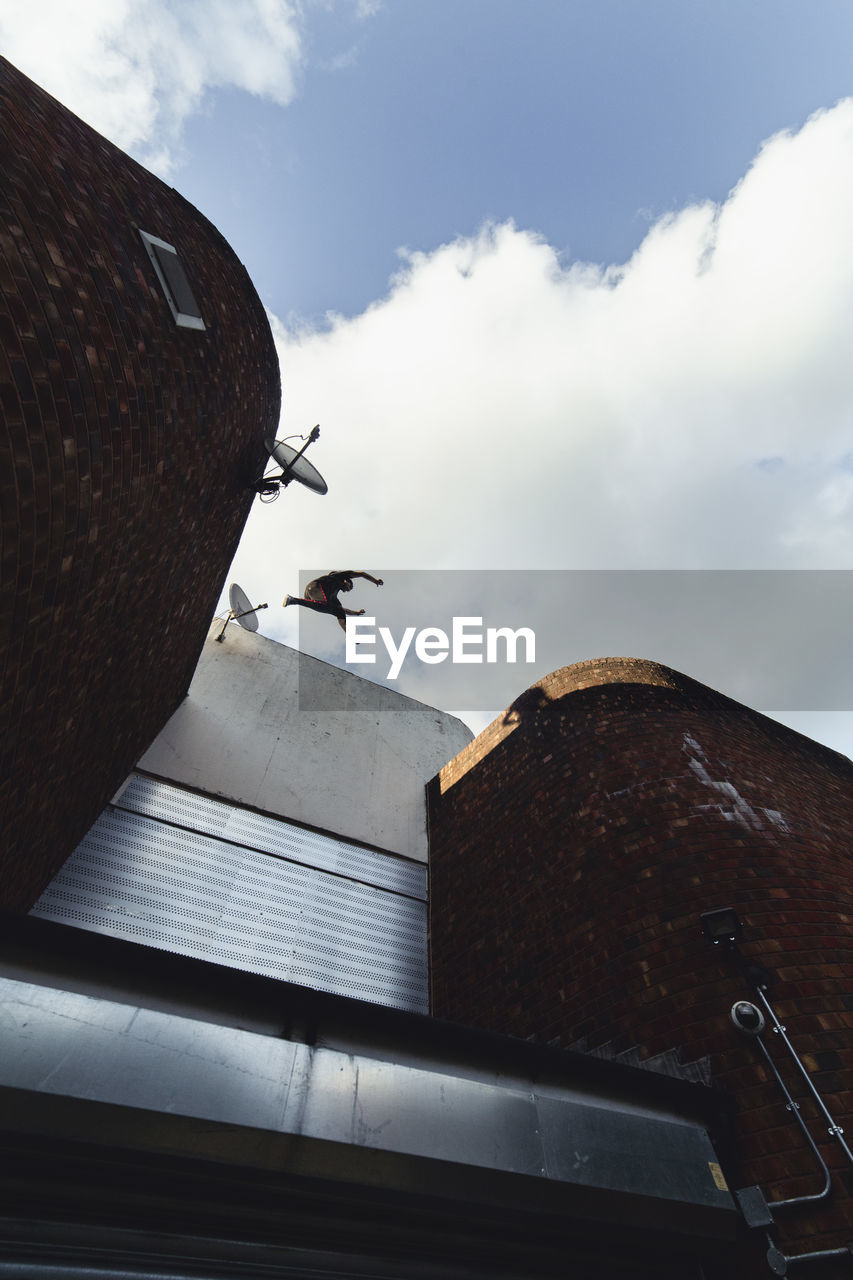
x: 286, y: 475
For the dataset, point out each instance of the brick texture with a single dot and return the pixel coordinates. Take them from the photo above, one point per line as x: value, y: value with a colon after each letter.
x: 573, y: 845
x: 126, y: 448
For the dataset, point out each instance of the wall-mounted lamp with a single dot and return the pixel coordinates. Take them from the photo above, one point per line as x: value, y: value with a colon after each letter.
x: 722, y: 928
x: 747, y: 1017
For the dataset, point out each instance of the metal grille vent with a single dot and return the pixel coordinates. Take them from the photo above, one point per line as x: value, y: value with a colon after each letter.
x: 272, y: 835
x: 139, y: 877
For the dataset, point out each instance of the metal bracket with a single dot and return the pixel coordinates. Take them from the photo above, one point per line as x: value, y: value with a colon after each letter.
x: 754, y: 1207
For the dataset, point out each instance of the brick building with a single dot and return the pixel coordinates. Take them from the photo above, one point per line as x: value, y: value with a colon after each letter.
x: 219, y: 1059
x: 574, y: 846
x: 138, y: 378
x: 216, y: 1056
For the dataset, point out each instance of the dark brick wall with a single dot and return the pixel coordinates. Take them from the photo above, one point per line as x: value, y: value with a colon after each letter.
x: 573, y: 845
x: 125, y: 451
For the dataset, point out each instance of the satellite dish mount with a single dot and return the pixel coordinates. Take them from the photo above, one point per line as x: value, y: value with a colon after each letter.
x: 295, y: 466
x: 242, y: 611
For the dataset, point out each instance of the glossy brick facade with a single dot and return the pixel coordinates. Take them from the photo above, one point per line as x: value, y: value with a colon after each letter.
x: 573, y: 846
x: 126, y: 448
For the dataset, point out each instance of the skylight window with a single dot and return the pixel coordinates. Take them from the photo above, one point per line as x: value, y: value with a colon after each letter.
x: 174, y: 282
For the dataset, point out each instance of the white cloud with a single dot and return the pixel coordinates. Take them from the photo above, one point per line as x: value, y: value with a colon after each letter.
x: 691, y: 408
x: 136, y: 72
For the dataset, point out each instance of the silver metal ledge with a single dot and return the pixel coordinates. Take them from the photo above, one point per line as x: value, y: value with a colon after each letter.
x: 218, y: 1093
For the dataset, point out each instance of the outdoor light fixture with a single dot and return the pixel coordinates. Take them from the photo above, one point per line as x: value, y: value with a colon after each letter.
x: 721, y: 927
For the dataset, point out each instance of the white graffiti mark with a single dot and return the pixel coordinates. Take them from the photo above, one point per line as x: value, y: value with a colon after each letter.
x: 732, y: 805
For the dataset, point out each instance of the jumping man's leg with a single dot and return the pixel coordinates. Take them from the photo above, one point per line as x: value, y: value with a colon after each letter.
x: 319, y: 606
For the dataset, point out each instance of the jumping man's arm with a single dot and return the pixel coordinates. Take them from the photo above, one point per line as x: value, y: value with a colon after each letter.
x: 359, y: 573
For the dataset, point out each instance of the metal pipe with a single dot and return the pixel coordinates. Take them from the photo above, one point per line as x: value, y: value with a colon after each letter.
x: 795, y: 1111
x: 778, y: 1261
x: 818, y: 1253
x: 835, y: 1131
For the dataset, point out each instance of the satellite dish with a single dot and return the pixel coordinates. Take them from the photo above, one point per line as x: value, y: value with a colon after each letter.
x: 242, y: 610
x: 295, y: 466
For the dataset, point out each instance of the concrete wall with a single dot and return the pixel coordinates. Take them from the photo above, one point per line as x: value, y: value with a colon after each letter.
x: 352, y: 760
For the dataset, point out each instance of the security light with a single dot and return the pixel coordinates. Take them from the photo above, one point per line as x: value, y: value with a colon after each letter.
x: 747, y: 1017
x: 721, y: 927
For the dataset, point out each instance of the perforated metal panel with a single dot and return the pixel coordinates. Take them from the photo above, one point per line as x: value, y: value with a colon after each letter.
x: 180, y: 889
x: 272, y: 835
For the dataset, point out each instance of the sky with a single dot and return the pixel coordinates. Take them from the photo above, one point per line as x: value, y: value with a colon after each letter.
x: 568, y: 288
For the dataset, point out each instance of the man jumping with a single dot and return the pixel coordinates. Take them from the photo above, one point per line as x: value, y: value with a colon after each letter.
x: 321, y: 594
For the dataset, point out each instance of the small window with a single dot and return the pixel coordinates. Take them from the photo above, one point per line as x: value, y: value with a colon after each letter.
x: 173, y: 278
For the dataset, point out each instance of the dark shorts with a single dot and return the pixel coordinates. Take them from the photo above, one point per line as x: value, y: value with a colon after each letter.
x: 329, y: 604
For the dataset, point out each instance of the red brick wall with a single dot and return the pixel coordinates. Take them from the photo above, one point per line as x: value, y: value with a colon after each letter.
x: 573, y: 846
x: 125, y: 451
